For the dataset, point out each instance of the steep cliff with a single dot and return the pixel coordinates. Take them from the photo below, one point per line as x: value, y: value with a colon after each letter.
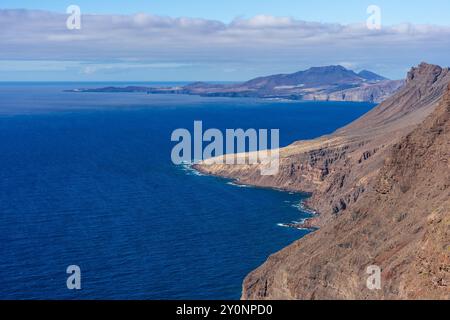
x: 381, y: 185
x: 402, y: 225
x: 337, y: 168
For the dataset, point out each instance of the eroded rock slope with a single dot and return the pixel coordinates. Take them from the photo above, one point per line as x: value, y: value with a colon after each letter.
x: 381, y: 185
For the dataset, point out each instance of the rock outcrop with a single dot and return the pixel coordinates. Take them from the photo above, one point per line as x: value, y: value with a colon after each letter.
x: 381, y: 185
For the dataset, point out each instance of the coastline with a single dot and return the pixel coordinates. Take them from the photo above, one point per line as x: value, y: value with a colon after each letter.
x: 309, y: 224
x: 362, y: 182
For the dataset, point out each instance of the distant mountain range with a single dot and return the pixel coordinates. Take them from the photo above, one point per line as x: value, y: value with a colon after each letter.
x: 330, y: 83
x: 315, y: 77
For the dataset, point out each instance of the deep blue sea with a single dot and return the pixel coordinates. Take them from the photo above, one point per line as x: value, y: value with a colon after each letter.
x: 86, y: 179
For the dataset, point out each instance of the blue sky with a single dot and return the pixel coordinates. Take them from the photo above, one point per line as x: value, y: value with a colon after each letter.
x: 228, y: 40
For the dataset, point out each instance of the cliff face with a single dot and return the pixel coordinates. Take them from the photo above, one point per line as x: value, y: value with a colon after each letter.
x: 401, y: 225
x: 381, y: 186
x: 376, y: 92
x: 338, y: 168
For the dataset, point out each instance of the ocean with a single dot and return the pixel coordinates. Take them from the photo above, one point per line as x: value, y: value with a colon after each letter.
x: 86, y: 179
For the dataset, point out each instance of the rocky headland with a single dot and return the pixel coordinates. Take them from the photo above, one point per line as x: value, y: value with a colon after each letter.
x: 381, y: 186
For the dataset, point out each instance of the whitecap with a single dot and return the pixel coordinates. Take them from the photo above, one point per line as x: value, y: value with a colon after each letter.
x: 286, y: 225
x: 234, y: 184
x: 189, y: 169
x: 301, y: 207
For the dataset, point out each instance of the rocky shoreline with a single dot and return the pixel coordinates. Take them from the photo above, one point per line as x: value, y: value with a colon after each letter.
x: 347, y: 174
x: 306, y: 224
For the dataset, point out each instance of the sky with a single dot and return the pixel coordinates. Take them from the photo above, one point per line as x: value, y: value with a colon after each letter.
x: 343, y: 11
x: 220, y: 40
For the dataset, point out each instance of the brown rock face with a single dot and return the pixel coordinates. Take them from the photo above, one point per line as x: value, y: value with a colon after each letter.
x: 381, y: 185
x: 338, y: 168
x: 401, y: 225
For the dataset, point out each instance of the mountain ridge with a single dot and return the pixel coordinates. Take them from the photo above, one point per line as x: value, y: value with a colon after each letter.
x: 402, y: 226
x: 369, y: 75
x: 329, y: 83
x: 342, y: 171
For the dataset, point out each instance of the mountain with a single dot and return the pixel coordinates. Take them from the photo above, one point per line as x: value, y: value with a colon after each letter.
x: 371, y: 76
x: 334, y: 83
x: 313, y: 77
x: 381, y: 185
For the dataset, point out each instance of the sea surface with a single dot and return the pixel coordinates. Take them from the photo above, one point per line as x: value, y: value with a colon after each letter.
x: 86, y: 179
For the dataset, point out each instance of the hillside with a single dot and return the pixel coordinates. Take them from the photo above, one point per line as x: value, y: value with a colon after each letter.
x: 401, y: 225
x: 334, y: 83
x: 381, y: 186
x: 313, y: 77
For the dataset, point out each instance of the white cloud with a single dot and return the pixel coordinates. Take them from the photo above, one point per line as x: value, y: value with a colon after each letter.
x: 156, y: 41
x: 348, y: 65
x: 263, y: 21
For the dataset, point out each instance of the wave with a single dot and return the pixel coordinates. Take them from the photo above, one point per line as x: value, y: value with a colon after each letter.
x: 302, y: 207
x: 238, y: 185
x: 188, y: 168
x: 293, y: 225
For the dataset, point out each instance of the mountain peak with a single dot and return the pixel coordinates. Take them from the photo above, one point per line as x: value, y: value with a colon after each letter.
x: 330, y: 67
x: 424, y: 72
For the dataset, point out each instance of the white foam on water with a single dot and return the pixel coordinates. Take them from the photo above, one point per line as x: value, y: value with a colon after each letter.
x: 238, y: 185
x: 301, y: 207
x: 285, y: 225
x: 190, y: 171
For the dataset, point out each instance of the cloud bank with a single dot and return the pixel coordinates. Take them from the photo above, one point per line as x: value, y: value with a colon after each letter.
x: 190, y: 46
